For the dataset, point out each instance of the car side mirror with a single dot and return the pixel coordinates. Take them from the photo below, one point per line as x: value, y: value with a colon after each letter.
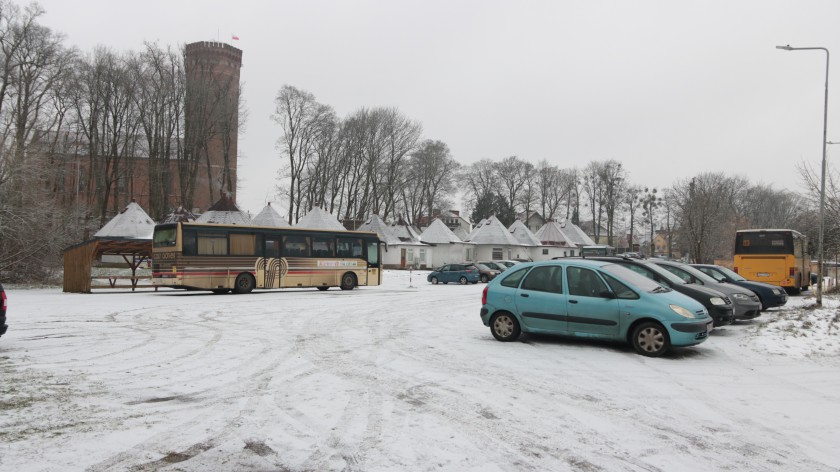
x: 606, y: 294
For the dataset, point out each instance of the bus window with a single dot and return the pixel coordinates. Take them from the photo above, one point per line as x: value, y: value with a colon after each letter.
x: 295, y: 246
x: 272, y: 246
x: 190, y: 246
x: 323, y: 247
x: 373, y: 254
x: 243, y: 244
x: 212, y: 244
x: 165, y: 237
x: 350, y: 248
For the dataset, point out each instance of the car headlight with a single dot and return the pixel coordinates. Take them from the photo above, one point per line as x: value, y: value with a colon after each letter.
x: 741, y: 296
x: 681, y: 311
x: 777, y: 291
x: 717, y: 301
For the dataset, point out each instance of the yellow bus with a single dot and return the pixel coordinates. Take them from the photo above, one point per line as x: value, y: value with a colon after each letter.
x: 223, y: 258
x: 774, y: 256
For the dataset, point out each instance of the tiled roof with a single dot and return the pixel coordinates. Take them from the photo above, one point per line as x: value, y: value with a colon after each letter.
x: 375, y: 224
x: 563, y: 234
x: 319, y: 219
x: 439, y: 233
x: 224, y: 211
x: 492, y: 231
x: 522, y: 234
x: 131, y: 223
x: 269, y: 217
x: 179, y: 214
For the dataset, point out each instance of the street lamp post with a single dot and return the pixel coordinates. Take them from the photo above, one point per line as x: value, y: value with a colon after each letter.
x: 822, y: 182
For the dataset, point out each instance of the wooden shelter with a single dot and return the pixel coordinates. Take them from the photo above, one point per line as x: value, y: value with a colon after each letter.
x: 128, y: 234
x: 78, y: 262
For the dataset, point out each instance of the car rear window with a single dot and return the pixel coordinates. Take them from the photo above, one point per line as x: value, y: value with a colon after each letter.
x: 512, y: 280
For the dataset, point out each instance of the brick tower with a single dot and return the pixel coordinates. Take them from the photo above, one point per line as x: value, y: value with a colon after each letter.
x: 211, y: 118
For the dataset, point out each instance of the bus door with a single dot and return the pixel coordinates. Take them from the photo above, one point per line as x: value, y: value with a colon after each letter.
x: 374, y: 272
x: 270, y: 263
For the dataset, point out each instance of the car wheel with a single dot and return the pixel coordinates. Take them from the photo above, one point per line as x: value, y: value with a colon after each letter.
x: 484, y: 279
x: 462, y: 280
x: 504, y: 327
x: 651, y: 339
x: 244, y: 283
x: 348, y: 281
x: 434, y: 280
x: 323, y: 289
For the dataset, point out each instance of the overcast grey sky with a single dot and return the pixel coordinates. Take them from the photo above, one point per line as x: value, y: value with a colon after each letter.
x: 669, y: 88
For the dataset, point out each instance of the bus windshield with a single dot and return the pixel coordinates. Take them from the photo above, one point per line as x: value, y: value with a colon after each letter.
x: 165, y: 237
x: 764, y: 242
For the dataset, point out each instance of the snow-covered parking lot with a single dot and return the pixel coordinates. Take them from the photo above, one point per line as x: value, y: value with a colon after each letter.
x: 398, y: 378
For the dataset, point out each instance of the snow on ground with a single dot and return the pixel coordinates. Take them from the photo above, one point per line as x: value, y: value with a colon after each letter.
x: 398, y: 378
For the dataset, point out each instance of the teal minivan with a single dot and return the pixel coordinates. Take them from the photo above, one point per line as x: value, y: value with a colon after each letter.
x: 592, y: 299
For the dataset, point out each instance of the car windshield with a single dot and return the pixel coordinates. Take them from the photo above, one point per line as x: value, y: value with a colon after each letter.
x: 698, y: 274
x: 633, y: 279
x: 482, y: 267
x: 729, y: 273
x: 664, y: 273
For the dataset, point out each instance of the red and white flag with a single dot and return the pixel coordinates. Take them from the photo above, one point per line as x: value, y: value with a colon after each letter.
x: 234, y: 37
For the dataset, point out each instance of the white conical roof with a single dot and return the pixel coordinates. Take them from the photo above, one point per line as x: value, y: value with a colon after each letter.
x: 224, y: 217
x: 492, y: 231
x: 376, y: 225
x: 576, y: 234
x: 269, y: 217
x: 522, y: 234
x: 439, y: 233
x: 225, y: 211
x: 564, y: 234
x: 319, y: 219
x: 551, y: 234
x: 131, y: 223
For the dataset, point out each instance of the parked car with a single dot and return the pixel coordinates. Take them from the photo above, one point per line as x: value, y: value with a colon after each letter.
x: 3, y: 303
x: 461, y: 273
x: 486, y: 273
x: 592, y: 299
x: 769, y: 295
x: 494, y: 265
x: 746, y: 304
x: 716, y: 303
x: 508, y: 262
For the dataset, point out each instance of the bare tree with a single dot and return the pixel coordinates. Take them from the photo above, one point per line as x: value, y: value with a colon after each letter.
x: 614, y: 181
x: 514, y: 175
x: 650, y: 202
x: 632, y: 203
x: 160, y: 100
x: 107, y: 116
x: 436, y: 170
x: 299, y: 115
x: 705, y: 207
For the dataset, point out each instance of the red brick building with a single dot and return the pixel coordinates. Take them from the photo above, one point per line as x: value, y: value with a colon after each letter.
x: 210, y: 131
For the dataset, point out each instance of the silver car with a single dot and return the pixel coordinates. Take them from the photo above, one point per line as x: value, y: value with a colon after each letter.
x: 747, y: 305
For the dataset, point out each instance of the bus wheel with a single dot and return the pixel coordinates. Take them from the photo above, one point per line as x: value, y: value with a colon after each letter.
x: 244, y: 283
x: 348, y: 281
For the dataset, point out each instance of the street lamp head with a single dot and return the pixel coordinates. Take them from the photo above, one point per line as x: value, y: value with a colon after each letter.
x: 786, y: 48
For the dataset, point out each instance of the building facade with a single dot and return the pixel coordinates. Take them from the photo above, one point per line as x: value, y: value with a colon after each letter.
x: 203, y: 158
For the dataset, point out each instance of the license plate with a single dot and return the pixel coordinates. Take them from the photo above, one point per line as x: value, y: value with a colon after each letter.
x: 763, y: 274
x: 710, y: 326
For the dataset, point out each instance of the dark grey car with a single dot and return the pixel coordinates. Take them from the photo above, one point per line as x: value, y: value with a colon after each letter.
x: 746, y: 304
